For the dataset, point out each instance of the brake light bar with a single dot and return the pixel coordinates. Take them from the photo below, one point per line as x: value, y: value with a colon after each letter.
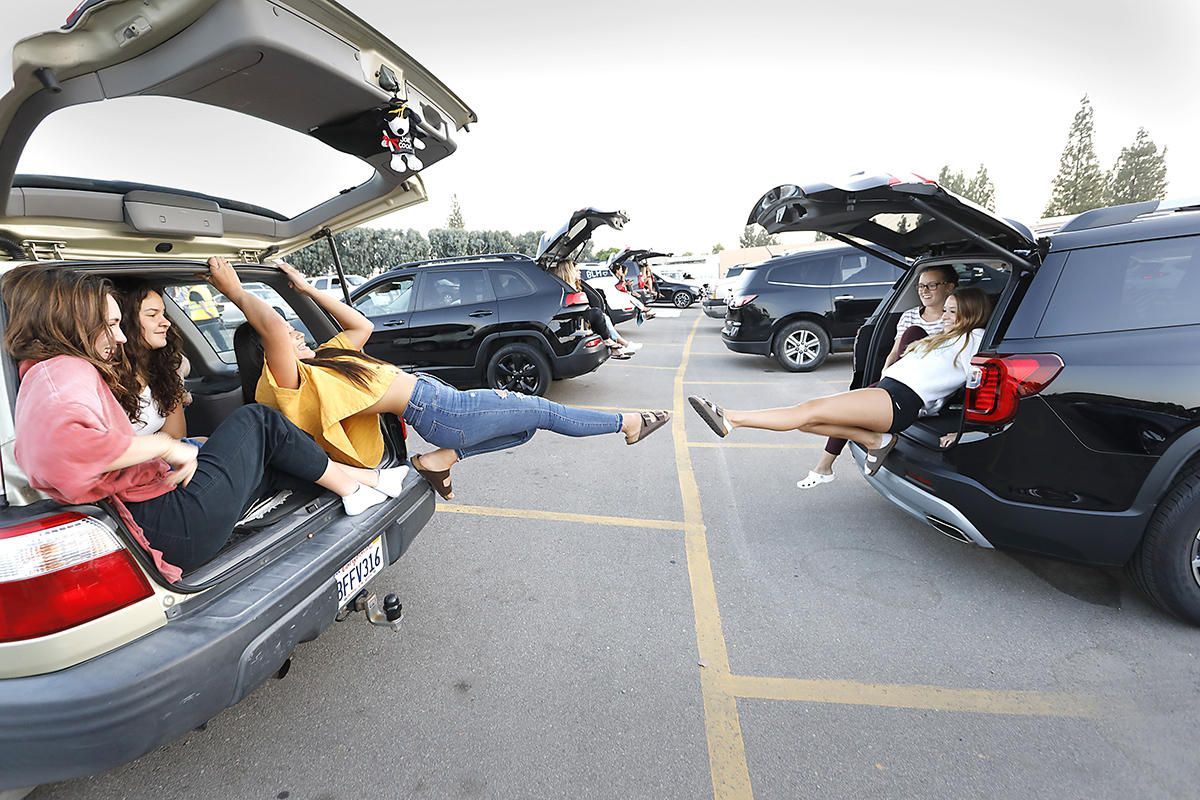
x: 996, y: 384
x: 741, y: 300
x: 60, y: 571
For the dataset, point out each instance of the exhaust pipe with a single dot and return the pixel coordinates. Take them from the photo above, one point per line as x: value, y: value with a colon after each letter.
x: 953, y: 532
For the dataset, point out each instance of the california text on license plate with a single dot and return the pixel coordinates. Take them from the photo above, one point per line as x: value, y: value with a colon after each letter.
x: 359, y: 570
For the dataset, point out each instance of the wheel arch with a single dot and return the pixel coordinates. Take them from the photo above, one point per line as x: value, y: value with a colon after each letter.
x: 797, y: 316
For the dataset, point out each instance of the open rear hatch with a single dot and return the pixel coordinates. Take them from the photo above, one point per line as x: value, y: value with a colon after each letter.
x: 569, y: 240
x: 869, y: 208
x: 307, y: 65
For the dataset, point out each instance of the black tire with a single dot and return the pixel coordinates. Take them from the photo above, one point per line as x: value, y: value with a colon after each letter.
x: 801, y: 346
x: 519, y: 367
x: 1166, y: 565
x: 682, y: 299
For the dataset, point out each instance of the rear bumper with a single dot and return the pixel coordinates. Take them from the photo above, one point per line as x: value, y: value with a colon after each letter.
x: 119, y: 706
x: 582, y: 360
x: 955, y: 504
x: 715, y: 308
x: 619, y: 315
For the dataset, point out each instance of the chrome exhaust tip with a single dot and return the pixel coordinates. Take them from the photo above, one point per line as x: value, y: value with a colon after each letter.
x: 941, y: 526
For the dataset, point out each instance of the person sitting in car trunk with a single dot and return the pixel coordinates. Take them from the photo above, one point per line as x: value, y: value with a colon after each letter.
x: 75, y: 441
x: 931, y: 369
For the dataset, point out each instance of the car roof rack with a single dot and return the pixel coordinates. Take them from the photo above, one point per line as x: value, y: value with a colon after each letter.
x: 465, y: 259
x: 1117, y: 215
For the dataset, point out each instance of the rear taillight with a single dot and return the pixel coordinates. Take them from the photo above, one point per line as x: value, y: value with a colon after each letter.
x: 60, y: 571
x: 741, y: 300
x: 575, y: 299
x: 593, y: 341
x: 997, y: 383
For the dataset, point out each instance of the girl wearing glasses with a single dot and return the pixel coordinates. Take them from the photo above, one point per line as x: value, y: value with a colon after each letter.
x: 934, y: 285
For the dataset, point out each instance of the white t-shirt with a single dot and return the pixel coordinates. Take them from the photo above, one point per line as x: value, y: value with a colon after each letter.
x: 934, y: 375
x: 149, y: 420
x: 913, y: 317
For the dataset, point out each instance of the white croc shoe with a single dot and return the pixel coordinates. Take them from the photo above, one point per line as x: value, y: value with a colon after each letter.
x: 814, y: 479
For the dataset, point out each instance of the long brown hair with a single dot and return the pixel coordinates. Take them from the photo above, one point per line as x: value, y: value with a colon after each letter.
x: 157, y: 368
x: 54, y: 311
x: 568, y: 272
x: 973, y: 310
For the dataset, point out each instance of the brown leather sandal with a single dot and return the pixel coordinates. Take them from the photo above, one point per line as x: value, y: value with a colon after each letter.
x: 651, y: 421
x: 438, y: 479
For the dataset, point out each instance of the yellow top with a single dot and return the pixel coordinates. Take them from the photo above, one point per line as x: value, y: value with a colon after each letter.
x: 325, y: 406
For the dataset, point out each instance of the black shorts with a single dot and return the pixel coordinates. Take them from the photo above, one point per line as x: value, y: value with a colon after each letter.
x: 906, y: 404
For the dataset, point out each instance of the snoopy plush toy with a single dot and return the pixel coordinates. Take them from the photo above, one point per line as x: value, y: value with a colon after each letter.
x: 401, y: 140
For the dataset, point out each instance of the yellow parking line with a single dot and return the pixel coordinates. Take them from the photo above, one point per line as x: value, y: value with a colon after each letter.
x: 648, y: 366
x: 936, y: 698
x: 723, y: 729
x: 562, y: 516
x: 728, y: 383
x: 753, y: 444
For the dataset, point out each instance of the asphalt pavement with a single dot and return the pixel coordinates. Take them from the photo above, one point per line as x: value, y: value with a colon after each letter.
x: 677, y: 620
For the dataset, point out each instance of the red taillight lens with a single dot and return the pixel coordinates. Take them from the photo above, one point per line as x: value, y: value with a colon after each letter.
x: 592, y: 342
x: 997, y: 384
x: 60, y: 571
x: 575, y: 299
x: 741, y: 300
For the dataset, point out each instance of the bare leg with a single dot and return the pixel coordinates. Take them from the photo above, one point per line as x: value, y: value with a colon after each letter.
x: 860, y: 413
x: 825, y: 464
x: 339, y: 480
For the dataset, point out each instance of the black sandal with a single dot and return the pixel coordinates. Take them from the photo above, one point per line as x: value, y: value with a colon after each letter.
x: 711, y: 414
x: 438, y: 479
x: 651, y: 421
x: 875, y: 458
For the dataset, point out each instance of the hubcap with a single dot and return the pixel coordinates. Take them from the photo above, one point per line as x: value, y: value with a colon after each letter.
x: 1196, y: 558
x: 518, y: 374
x: 801, y: 347
x: 682, y: 299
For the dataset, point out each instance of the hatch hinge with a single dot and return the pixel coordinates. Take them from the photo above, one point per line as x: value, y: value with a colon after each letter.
x: 249, y: 256
x: 43, y: 251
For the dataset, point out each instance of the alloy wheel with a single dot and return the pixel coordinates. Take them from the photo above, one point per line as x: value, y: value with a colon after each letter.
x: 801, y: 347
x: 518, y: 374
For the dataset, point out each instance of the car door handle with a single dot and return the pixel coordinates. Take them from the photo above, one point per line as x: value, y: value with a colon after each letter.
x: 480, y: 313
x: 842, y: 297
x: 394, y: 324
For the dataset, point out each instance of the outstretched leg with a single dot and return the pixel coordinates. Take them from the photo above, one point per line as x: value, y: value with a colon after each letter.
x: 861, y: 415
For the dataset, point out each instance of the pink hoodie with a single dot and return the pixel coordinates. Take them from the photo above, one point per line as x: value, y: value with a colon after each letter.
x: 69, y: 427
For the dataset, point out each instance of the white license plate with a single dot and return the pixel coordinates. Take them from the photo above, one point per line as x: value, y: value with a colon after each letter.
x: 359, y: 570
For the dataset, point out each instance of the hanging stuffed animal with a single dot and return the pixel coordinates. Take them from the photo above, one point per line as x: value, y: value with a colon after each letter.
x: 401, y: 139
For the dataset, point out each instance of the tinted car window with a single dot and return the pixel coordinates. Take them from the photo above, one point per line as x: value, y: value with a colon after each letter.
x: 1126, y: 287
x: 457, y: 288
x: 861, y: 268
x: 509, y: 283
x: 391, y: 297
x: 810, y: 272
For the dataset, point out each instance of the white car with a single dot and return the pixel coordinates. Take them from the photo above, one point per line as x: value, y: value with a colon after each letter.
x: 332, y: 284
x: 620, y: 306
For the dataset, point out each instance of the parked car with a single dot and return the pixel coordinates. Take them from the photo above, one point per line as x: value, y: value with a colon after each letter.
x: 679, y: 292
x: 1078, y: 435
x: 102, y: 659
x: 495, y: 320
x: 620, y: 308
x: 800, y: 307
x: 637, y: 274
x: 332, y: 284
x: 717, y: 296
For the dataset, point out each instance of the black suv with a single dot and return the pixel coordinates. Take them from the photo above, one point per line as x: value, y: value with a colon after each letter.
x: 802, y: 306
x: 1078, y: 435
x: 493, y: 320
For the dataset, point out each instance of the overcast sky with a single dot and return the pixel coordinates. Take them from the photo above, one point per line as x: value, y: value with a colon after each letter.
x: 684, y: 113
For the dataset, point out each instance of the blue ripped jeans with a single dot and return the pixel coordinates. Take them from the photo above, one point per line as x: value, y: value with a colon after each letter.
x: 485, y: 420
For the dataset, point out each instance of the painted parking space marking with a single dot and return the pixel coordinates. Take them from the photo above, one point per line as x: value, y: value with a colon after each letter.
x: 754, y: 444
x: 935, y: 698
x: 562, y: 516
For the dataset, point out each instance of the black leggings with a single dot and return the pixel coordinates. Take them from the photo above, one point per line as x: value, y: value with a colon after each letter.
x: 254, y: 453
x: 833, y: 445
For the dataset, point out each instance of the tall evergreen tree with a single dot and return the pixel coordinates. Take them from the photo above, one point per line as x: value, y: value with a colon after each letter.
x: 755, y: 236
x: 952, y: 180
x: 1079, y: 185
x: 1139, y: 174
x: 455, y: 219
x: 981, y: 190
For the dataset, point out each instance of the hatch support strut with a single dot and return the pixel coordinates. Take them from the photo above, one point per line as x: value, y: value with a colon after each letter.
x: 1007, y: 255
x: 843, y: 238
x: 337, y: 261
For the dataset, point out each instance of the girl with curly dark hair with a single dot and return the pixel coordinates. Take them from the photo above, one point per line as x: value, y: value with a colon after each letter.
x: 153, y: 363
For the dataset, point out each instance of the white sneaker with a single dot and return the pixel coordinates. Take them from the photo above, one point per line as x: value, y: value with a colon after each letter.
x: 633, y: 347
x: 391, y: 480
x: 363, y: 498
